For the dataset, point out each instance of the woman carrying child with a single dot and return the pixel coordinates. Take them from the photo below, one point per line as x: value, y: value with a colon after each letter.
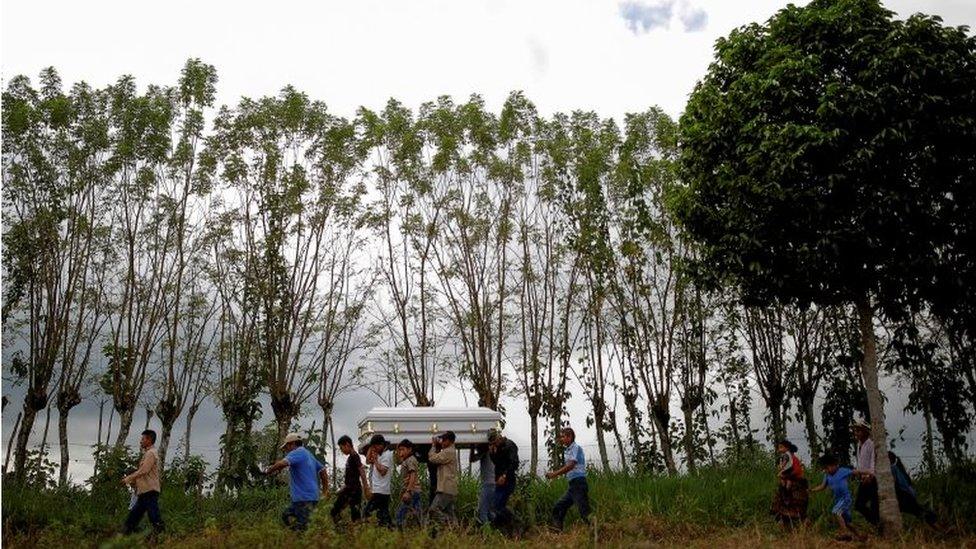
x: 793, y: 491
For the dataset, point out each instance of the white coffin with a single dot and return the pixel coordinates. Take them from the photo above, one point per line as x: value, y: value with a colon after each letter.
x: 470, y: 425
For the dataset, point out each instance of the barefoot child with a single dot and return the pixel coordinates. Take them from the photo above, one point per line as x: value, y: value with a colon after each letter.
x: 835, y: 478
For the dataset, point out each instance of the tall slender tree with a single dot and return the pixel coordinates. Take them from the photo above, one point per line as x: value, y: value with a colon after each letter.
x: 188, y: 332
x: 289, y: 164
x: 55, y: 160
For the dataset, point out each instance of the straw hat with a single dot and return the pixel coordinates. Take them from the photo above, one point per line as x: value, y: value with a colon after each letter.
x: 292, y: 437
x: 859, y: 423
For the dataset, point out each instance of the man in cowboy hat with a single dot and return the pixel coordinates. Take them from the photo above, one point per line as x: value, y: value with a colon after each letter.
x: 305, y: 472
x: 866, y: 501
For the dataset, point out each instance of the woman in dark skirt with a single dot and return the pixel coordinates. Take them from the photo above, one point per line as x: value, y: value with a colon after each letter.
x: 793, y: 491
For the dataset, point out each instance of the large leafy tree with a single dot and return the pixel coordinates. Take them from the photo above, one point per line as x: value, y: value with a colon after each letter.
x: 823, y: 155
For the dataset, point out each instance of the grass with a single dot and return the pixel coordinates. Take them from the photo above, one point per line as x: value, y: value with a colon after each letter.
x: 716, y: 507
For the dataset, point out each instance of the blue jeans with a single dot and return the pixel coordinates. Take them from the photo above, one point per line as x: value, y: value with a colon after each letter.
x: 146, y: 503
x: 578, y: 493
x: 486, y: 499
x: 296, y: 515
x: 499, y: 508
x: 412, y: 508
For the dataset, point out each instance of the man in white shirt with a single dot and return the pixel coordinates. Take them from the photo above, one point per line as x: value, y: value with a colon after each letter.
x: 380, y: 477
x: 866, y: 501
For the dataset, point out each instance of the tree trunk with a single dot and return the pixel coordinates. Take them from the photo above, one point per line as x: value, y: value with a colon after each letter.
x: 928, y: 452
x: 534, y: 442
x: 111, y: 418
x: 225, y: 451
x: 335, y: 463
x: 189, y: 429
x: 101, y: 411
x: 620, y: 443
x: 734, y: 423
x: 709, y: 441
x: 661, y: 421
x: 283, y: 423
x: 20, y: 453
x: 811, y: 424
x: 887, y: 502
x: 689, y: 438
x: 601, y: 439
x: 125, y: 422
x: 166, y: 431
x: 555, y: 457
x: 10, y: 442
x: 777, y: 423
x: 63, y: 443
x: 42, y: 449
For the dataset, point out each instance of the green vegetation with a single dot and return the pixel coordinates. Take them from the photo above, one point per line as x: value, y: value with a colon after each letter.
x: 715, y: 503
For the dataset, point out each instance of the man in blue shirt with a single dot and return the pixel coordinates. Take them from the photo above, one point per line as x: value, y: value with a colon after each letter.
x: 574, y: 467
x: 305, y: 472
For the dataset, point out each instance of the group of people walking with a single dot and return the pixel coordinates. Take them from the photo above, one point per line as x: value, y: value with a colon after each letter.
x: 498, y: 459
x: 499, y: 463
x: 792, y: 495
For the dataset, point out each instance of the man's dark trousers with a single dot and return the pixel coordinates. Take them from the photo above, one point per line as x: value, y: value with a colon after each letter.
x: 147, y: 502
x: 578, y: 493
x: 501, y: 516
x: 866, y: 501
x: 380, y: 503
x: 347, y: 498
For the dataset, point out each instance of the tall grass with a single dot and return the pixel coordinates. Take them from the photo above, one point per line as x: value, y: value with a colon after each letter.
x: 711, y: 502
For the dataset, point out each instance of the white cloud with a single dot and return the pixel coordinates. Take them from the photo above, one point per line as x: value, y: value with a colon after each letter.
x: 538, y: 55
x: 646, y: 17
x: 643, y: 18
x: 693, y: 19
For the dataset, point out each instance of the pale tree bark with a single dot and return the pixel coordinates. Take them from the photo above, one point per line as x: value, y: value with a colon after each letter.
x: 10, y: 442
x: 565, y: 335
x: 42, y: 448
x: 887, y: 502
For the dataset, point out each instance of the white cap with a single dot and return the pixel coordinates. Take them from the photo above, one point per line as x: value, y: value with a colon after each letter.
x: 292, y: 437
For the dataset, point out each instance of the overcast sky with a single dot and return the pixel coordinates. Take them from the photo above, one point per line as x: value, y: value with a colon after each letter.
x: 609, y: 56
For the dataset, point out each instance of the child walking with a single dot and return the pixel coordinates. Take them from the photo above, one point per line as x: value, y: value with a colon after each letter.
x: 835, y: 478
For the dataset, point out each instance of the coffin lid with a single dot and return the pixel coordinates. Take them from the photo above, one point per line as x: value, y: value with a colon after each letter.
x: 431, y: 413
x: 471, y: 425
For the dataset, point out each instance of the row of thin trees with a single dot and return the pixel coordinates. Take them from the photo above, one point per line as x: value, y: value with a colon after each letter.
x: 159, y: 252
